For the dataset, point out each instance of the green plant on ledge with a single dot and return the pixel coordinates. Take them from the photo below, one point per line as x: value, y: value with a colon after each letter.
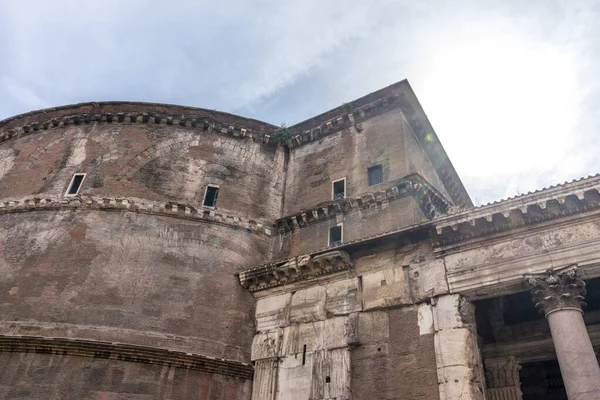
x: 281, y: 134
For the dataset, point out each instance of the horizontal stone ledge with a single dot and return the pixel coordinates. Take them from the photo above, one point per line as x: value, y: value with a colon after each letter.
x: 533, y: 350
x: 204, y: 124
x: 430, y: 201
x: 124, y: 352
x: 169, y: 209
x: 294, y: 270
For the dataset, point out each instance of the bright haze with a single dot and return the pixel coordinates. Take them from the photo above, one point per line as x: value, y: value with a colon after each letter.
x: 511, y: 87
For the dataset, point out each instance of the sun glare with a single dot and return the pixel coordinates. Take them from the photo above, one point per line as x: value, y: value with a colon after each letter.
x: 508, y: 103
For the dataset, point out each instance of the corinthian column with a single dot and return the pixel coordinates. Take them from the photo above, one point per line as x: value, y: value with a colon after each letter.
x: 559, y: 294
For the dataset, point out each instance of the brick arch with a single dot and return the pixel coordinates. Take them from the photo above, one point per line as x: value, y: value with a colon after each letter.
x: 165, y: 147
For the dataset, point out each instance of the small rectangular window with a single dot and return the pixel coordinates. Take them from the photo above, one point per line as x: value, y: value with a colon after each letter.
x: 375, y: 175
x: 339, y: 189
x: 210, y: 196
x: 335, y: 235
x: 75, y: 185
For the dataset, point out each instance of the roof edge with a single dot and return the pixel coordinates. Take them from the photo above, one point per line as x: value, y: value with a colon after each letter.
x: 399, y: 95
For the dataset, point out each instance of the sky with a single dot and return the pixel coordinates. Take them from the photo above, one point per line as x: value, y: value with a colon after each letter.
x: 511, y: 87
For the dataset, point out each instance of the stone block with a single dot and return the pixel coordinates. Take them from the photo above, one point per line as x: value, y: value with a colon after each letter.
x: 425, y: 319
x: 266, y: 345
x: 428, y: 279
x: 295, y: 337
x: 272, y: 312
x: 343, y: 297
x: 450, y: 312
x: 336, y: 333
x: 308, y: 305
x: 262, y: 384
x: 385, y: 289
x: 456, y: 347
x: 295, y: 377
x: 331, y: 374
x: 459, y: 382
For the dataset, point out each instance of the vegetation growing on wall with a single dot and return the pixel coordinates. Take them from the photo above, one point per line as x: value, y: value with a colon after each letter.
x: 281, y: 134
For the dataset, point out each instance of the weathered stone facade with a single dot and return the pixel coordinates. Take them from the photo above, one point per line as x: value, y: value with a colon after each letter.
x: 121, y: 277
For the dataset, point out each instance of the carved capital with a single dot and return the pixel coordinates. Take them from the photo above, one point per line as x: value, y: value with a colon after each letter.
x: 502, y: 372
x: 557, y: 289
x: 502, y: 375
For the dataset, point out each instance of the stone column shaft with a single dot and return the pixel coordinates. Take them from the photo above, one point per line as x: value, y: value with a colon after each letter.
x: 578, y: 364
x: 559, y: 294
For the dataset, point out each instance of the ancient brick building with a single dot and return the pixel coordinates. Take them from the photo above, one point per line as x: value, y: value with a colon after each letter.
x: 154, y: 251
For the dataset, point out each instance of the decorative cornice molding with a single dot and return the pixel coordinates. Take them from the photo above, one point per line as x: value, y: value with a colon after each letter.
x: 557, y: 289
x: 205, y: 123
x: 293, y: 270
x: 347, y: 117
x: 125, y: 352
x: 169, y: 209
x: 561, y: 201
x: 430, y: 201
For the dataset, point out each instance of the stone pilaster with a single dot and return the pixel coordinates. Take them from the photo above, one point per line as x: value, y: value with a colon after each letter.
x: 559, y: 294
x: 503, y: 382
x: 458, y: 359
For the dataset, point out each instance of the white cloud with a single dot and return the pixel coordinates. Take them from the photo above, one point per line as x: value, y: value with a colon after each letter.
x: 23, y: 95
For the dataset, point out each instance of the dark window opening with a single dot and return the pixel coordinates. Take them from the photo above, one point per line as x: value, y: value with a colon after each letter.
x: 339, y: 189
x: 304, y: 355
x: 75, y: 184
x: 375, y: 175
x: 327, y: 379
x: 335, y: 235
x: 210, y: 198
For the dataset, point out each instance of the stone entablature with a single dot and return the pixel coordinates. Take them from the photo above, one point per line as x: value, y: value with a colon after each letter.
x: 124, y: 352
x: 576, y: 197
x: 431, y: 202
x: 169, y: 209
x: 293, y: 270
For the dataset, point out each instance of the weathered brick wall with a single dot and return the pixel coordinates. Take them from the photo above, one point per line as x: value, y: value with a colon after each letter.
x: 347, y: 153
x: 386, y: 139
x: 418, y: 162
x: 137, y: 259
x: 128, y: 277
x: 393, y: 215
x: 393, y: 361
x: 148, y: 161
x: 58, y: 377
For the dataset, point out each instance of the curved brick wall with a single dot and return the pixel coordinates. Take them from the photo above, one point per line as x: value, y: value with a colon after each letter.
x: 134, y: 259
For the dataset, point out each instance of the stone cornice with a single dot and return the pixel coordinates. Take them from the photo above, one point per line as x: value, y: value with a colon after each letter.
x: 134, y: 113
x: 556, y: 202
x: 125, y: 352
x: 294, y: 270
x: 169, y: 209
x: 430, y: 201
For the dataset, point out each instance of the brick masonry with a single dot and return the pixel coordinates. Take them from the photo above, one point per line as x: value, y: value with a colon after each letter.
x: 131, y: 288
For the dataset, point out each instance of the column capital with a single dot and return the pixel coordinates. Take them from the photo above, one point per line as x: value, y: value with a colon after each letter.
x: 557, y: 289
x: 502, y: 375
